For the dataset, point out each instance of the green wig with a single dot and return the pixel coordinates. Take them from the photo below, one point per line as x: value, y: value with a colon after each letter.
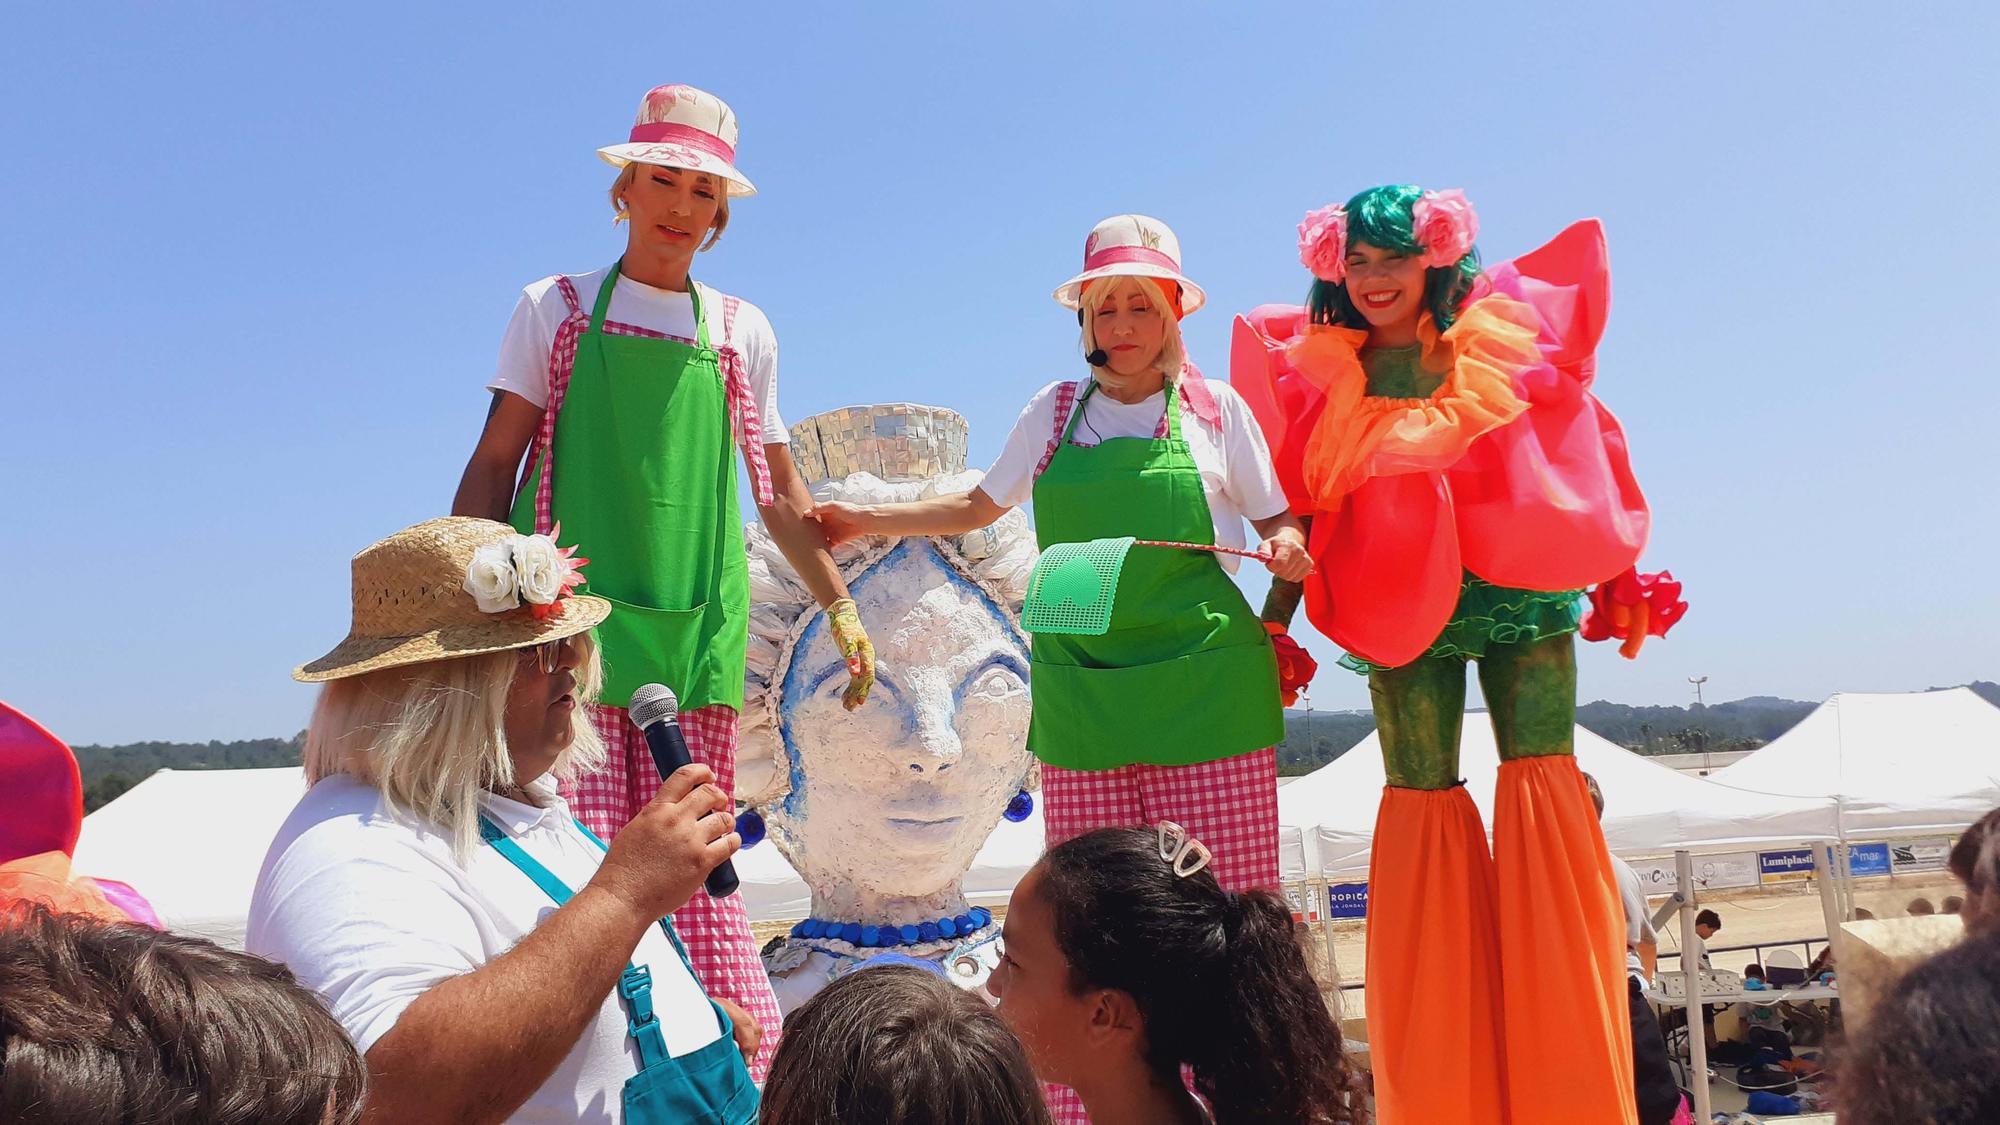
x: 1381, y: 217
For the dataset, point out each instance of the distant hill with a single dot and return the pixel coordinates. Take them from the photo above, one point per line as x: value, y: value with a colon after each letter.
x: 1741, y: 724
x: 110, y: 770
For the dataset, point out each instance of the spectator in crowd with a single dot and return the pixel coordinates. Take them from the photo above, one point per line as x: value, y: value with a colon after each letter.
x: 899, y: 1045
x: 1975, y: 860
x: 1126, y: 962
x: 1706, y: 925
x: 106, y: 1023
x: 1952, y: 904
x: 1920, y: 908
x: 1653, y: 1078
x: 486, y: 953
x: 1863, y: 914
x: 1926, y: 1055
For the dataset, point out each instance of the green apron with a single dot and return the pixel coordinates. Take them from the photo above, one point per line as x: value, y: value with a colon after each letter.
x: 706, y: 1086
x: 1185, y: 673
x: 646, y: 486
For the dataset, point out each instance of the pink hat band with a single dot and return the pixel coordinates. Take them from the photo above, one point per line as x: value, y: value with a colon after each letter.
x: 1119, y: 255
x: 671, y: 133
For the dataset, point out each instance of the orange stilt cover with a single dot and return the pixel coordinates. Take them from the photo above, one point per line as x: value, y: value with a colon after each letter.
x: 1433, y: 986
x: 1562, y: 950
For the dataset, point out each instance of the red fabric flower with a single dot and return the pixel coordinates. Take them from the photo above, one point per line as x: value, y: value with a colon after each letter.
x: 1296, y: 666
x: 1632, y: 607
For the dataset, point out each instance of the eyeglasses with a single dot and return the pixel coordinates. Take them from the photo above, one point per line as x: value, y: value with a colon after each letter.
x: 549, y: 654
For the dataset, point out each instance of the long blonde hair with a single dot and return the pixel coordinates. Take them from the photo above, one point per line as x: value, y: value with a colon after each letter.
x: 631, y: 172
x: 430, y: 737
x: 1173, y: 354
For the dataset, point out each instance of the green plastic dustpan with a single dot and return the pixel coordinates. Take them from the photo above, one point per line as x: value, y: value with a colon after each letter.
x: 1075, y: 585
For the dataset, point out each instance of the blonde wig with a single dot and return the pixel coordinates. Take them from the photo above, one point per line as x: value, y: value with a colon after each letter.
x: 631, y: 172
x: 430, y: 737
x: 1173, y: 354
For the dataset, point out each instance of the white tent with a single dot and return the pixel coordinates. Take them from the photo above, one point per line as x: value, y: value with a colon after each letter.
x: 192, y: 842
x: 1897, y: 764
x: 1649, y: 809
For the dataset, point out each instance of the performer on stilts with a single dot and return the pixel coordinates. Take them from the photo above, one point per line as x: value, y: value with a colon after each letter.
x: 1171, y: 714
x: 630, y: 390
x: 1461, y: 487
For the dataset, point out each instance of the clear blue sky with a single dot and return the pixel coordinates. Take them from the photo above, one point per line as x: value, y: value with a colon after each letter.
x: 259, y: 258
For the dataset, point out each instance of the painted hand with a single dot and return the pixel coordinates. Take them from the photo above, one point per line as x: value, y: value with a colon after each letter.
x: 840, y: 521
x: 1289, y: 560
x: 845, y: 620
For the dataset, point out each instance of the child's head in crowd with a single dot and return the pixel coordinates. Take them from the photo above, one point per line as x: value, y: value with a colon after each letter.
x: 103, y: 1023
x: 1122, y: 966
x: 898, y: 1045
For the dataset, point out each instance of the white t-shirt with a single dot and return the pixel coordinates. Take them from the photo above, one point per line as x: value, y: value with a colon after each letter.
x: 1235, y: 464
x: 370, y: 911
x: 1638, y: 921
x: 524, y: 350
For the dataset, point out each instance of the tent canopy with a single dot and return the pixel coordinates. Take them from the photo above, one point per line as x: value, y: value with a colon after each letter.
x: 193, y: 841
x: 1901, y: 763
x: 1649, y: 809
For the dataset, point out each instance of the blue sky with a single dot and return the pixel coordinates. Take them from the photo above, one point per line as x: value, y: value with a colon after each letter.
x: 260, y: 258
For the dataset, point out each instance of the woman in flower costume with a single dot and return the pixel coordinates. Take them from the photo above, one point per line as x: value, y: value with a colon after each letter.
x: 1462, y: 487
x: 628, y: 393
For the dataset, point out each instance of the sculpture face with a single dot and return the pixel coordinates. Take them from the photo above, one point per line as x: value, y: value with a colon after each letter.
x: 898, y: 796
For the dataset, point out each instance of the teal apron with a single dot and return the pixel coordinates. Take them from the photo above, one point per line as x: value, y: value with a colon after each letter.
x: 646, y: 486
x: 1186, y: 672
x: 710, y: 1086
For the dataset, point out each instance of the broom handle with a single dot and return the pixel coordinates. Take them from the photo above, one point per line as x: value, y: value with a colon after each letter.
x: 1258, y: 555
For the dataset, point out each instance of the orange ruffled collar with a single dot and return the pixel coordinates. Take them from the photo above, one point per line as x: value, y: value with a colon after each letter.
x: 1359, y: 436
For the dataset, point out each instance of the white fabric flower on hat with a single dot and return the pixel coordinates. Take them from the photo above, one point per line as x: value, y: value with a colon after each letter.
x: 490, y: 578
x: 538, y: 569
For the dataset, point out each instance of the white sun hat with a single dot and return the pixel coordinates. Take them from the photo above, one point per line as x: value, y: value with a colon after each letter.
x: 1131, y: 246
x: 682, y: 127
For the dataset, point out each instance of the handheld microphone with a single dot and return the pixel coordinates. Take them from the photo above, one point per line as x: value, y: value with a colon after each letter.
x: 656, y: 711
x: 1097, y: 357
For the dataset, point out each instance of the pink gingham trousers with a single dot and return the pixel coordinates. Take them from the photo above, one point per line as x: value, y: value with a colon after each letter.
x: 715, y: 931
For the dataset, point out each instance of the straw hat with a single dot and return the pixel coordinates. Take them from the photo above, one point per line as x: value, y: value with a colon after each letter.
x: 1131, y: 246
x: 682, y: 127
x: 413, y: 599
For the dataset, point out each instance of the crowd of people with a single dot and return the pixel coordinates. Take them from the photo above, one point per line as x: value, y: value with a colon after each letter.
x: 493, y: 904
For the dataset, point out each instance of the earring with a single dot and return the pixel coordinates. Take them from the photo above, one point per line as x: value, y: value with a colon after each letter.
x: 1021, y: 807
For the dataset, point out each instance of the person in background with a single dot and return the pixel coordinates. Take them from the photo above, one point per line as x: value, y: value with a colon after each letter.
x: 1127, y: 966
x: 106, y: 1022
x: 1654, y: 1089
x: 1920, y: 908
x: 898, y: 1044
x: 1926, y: 1055
x: 1863, y: 914
x: 1706, y: 925
x: 1975, y: 860
x: 1952, y: 904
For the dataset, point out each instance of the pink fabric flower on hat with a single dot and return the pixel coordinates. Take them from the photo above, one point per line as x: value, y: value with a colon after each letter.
x: 1445, y: 226
x: 1323, y: 243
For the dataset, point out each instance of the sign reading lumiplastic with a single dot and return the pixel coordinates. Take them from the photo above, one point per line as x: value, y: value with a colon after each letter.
x: 1785, y: 866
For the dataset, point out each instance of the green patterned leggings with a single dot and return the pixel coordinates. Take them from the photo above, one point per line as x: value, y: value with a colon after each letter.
x: 1530, y: 690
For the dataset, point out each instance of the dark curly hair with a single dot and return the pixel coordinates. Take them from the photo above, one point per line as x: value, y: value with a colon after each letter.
x: 1381, y: 217
x: 1218, y: 977
x: 1975, y: 859
x: 104, y: 1023
x: 897, y: 1045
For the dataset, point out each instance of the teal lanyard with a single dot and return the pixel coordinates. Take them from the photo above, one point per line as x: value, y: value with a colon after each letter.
x: 635, y: 984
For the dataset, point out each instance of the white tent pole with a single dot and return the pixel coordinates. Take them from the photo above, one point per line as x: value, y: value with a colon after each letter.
x: 1830, y: 859
x: 1691, y: 973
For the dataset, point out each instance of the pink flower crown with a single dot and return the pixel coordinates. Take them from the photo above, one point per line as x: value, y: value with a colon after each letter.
x: 1443, y: 222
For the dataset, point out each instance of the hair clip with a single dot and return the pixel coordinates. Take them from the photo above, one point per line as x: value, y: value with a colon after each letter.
x: 1183, y: 852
